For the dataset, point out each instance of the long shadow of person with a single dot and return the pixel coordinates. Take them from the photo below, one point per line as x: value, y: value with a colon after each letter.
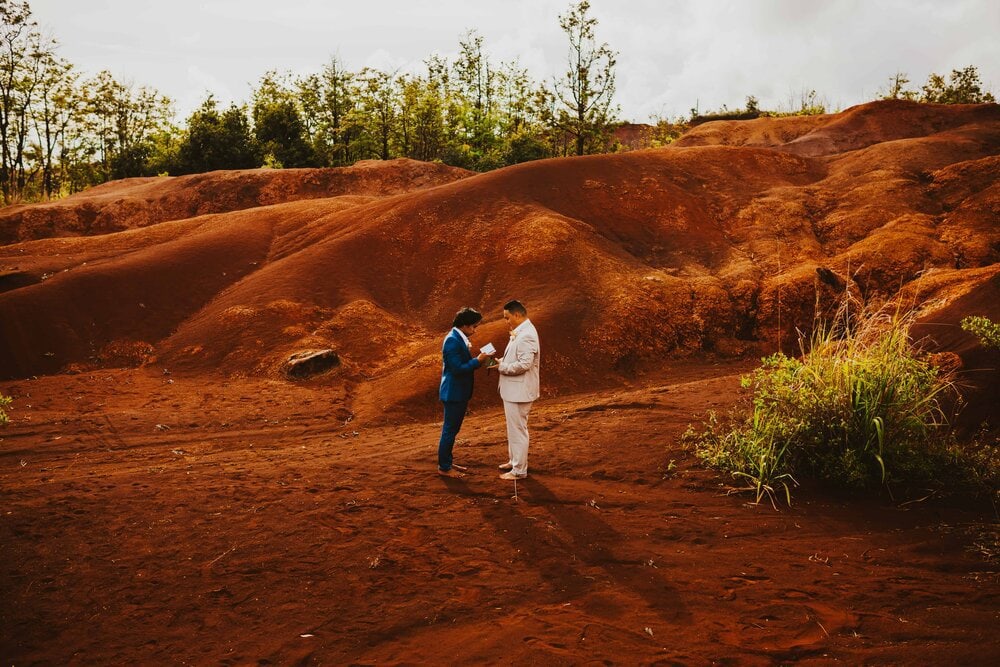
x: 571, y: 570
x: 599, y: 545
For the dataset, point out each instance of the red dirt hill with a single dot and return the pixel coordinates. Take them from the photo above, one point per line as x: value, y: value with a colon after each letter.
x: 138, y: 202
x: 623, y: 260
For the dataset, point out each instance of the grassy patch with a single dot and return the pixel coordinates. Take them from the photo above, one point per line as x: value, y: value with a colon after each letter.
x: 859, y: 409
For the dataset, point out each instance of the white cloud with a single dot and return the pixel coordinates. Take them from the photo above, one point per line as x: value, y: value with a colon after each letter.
x: 672, y: 53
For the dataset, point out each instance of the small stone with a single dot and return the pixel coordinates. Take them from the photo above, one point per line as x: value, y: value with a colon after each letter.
x: 310, y: 362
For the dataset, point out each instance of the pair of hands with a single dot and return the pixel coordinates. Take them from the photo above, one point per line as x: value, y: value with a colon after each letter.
x: 483, y: 357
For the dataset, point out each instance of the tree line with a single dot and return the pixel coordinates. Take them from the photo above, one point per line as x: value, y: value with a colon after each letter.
x: 961, y: 87
x: 61, y: 132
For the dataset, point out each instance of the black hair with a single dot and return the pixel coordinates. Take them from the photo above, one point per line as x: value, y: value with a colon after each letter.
x: 467, y: 317
x: 515, y: 307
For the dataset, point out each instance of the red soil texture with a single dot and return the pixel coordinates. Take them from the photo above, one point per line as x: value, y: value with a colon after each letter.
x: 171, y: 496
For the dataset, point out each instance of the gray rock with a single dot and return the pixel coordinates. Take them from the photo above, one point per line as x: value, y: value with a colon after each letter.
x: 310, y: 362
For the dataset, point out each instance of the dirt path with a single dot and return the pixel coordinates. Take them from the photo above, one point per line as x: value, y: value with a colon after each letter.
x: 155, y: 522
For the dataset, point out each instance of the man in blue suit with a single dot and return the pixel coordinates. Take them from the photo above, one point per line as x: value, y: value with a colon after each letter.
x: 456, y: 384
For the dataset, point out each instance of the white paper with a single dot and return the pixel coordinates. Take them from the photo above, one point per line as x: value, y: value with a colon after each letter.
x: 488, y: 349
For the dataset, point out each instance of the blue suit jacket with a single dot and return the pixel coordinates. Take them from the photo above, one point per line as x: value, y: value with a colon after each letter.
x: 457, y: 369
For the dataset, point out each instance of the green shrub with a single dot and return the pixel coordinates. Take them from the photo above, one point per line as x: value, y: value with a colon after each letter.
x: 4, y: 402
x: 858, y: 410
x: 985, y: 329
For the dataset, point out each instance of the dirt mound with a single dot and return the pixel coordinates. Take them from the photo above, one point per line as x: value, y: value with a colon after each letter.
x: 623, y: 260
x: 139, y: 202
x: 763, y: 132
x: 857, y: 127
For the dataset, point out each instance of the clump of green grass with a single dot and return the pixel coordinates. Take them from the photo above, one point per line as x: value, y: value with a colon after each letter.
x: 859, y: 409
x: 4, y: 402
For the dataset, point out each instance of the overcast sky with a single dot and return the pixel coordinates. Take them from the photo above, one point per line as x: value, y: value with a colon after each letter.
x: 672, y: 53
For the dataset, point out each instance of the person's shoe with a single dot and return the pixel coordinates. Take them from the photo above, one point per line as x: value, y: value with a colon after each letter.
x: 450, y: 473
x: 511, y: 475
x: 505, y: 466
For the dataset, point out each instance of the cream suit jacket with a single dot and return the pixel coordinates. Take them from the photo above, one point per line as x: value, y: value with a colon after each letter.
x: 518, y: 368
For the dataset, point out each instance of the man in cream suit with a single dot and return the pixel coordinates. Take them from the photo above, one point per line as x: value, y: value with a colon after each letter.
x: 518, y: 369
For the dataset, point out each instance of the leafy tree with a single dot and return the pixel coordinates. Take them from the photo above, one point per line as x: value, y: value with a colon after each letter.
x: 377, y: 111
x: 521, y: 119
x: 409, y: 88
x: 897, y: 88
x: 217, y: 140
x: 279, y: 125
x: 22, y: 54
x: 424, y: 101
x: 666, y: 131
x: 558, y: 139
x: 122, y: 120
x: 515, y: 109
x: 524, y: 147
x: 587, y: 90
x: 310, y: 100
x: 57, y: 105
x: 963, y: 87
x: 338, y: 98
x: 477, y: 81
x: 164, y: 150
x: 77, y: 167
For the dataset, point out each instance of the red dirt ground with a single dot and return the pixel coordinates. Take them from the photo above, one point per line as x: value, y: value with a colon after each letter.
x: 169, y: 496
x: 258, y: 527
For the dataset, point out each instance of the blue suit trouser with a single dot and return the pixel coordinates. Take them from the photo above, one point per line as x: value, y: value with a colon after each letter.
x: 454, y: 415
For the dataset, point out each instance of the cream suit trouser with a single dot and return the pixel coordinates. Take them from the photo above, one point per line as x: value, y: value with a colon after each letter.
x: 517, y: 435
